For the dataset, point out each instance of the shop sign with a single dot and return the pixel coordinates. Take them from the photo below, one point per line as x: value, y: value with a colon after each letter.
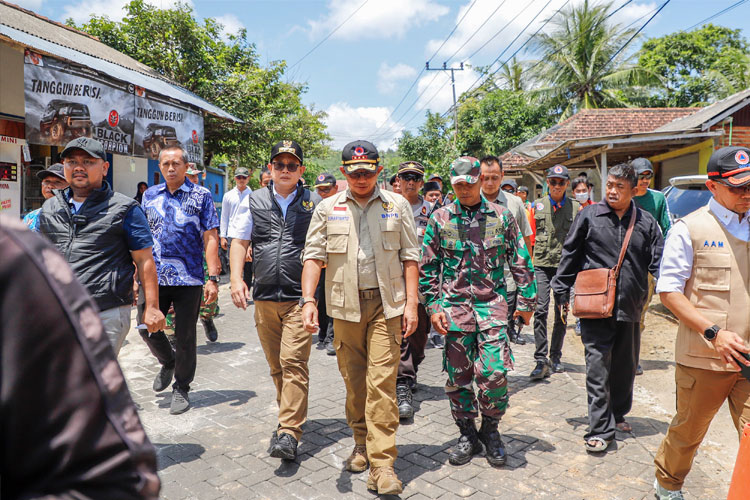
x: 160, y: 122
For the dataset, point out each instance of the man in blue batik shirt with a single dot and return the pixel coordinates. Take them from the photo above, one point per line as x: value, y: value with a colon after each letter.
x: 184, y: 223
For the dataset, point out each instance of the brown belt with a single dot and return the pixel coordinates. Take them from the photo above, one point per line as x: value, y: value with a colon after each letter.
x: 370, y: 294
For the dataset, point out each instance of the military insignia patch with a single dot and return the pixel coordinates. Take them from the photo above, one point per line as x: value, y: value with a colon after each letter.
x: 287, y: 144
x: 388, y: 206
x: 307, y: 205
x: 540, y: 206
x: 424, y: 210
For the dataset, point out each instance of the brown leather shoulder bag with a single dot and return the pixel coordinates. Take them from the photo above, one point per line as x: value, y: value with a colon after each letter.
x: 595, y: 288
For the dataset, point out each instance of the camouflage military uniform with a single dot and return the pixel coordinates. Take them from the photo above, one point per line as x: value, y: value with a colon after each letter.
x: 461, y: 274
x: 207, y: 311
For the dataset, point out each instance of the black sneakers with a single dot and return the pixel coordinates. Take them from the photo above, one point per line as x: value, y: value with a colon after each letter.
x: 330, y: 349
x: 285, y: 447
x: 468, y: 443
x: 180, y: 401
x: 493, y: 444
x: 404, y: 401
x: 163, y: 378
x: 212, y: 334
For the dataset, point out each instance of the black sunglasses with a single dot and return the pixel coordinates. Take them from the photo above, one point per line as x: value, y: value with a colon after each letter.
x: 410, y: 177
x: 553, y: 182
x: 646, y: 175
x: 360, y: 175
x: 290, y: 167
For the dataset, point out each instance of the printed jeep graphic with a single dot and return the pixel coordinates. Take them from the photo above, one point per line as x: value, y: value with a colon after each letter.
x: 158, y: 137
x: 63, y: 117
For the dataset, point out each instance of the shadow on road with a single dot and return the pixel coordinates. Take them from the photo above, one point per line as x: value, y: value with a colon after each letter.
x: 214, y: 347
x: 168, y: 454
x: 203, y: 399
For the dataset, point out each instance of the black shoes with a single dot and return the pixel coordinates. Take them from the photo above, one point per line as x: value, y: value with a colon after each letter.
x: 163, y: 379
x: 468, y: 443
x: 404, y: 401
x: 437, y: 341
x: 180, y: 401
x: 330, y: 349
x: 516, y: 338
x: 285, y: 447
x: 541, y: 371
x: 490, y: 438
x: 639, y: 370
x: 212, y: 334
x: 557, y: 366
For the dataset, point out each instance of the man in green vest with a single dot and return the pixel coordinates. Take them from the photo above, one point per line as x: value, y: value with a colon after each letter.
x: 553, y: 215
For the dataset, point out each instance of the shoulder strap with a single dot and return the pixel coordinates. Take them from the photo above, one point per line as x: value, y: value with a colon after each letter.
x: 626, y: 241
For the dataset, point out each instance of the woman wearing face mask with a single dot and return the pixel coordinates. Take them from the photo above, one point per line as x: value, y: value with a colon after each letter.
x: 581, y: 192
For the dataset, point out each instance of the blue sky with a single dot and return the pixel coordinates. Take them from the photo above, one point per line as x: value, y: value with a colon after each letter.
x: 359, y: 74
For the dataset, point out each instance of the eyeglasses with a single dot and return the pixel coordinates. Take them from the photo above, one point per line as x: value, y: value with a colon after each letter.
x: 509, y: 190
x: 410, y: 177
x: 290, y: 167
x: 553, y: 182
x: 646, y: 175
x: 88, y: 162
x: 360, y: 175
x: 243, y: 177
x: 737, y: 191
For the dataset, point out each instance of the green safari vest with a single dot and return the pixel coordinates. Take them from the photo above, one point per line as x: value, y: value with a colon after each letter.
x: 551, y: 229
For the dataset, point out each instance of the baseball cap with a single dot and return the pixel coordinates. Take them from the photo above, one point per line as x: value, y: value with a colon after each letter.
x: 435, y: 176
x: 431, y: 186
x: 241, y: 171
x: 509, y: 182
x: 730, y: 165
x: 325, y: 179
x: 465, y: 169
x: 90, y: 146
x: 360, y: 155
x: 559, y: 171
x: 287, y: 146
x: 192, y: 169
x: 641, y: 166
x: 523, y: 189
x: 413, y: 167
x: 56, y: 170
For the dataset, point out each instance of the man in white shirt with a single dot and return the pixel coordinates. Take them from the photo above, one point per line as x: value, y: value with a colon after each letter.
x: 703, y: 279
x: 234, y: 202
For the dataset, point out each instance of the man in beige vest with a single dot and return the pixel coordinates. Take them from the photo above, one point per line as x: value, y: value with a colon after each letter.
x: 368, y: 239
x: 703, y: 281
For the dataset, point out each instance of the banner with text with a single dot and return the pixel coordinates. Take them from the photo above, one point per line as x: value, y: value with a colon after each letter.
x: 161, y: 122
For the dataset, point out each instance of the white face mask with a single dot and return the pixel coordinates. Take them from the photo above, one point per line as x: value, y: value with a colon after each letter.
x: 582, y: 197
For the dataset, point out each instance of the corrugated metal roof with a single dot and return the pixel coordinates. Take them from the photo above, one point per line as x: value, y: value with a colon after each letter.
x: 43, y: 35
x: 706, y: 115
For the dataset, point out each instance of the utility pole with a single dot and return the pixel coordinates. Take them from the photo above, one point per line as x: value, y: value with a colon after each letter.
x: 453, y: 84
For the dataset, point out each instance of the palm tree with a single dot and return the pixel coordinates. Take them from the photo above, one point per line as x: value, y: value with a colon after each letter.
x: 513, y: 76
x: 582, y: 65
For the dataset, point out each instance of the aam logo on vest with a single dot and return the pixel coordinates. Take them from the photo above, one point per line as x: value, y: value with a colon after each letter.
x: 713, y: 244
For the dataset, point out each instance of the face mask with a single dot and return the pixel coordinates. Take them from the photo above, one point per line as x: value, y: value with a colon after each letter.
x: 582, y: 197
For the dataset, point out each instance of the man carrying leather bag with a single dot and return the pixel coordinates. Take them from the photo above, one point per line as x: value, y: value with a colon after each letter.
x: 611, y: 343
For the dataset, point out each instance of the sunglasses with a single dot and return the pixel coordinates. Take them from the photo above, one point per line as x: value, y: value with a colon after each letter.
x: 325, y: 189
x: 553, y: 182
x: 240, y: 177
x: 646, y: 175
x: 738, y: 191
x: 362, y: 175
x: 509, y: 190
x: 410, y: 177
x: 280, y: 166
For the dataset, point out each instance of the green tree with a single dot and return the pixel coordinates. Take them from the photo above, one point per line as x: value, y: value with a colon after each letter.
x: 432, y: 146
x: 697, y: 66
x: 225, y: 73
x: 580, y: 66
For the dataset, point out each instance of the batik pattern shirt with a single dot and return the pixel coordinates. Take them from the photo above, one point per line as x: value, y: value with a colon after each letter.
x: 178, y: 221
x: 461, y: 272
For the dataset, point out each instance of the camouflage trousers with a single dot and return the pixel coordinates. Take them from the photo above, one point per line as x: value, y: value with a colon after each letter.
x: 481, y: 357
x: 207, y: 311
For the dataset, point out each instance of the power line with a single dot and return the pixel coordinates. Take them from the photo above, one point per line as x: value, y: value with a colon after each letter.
x: 453, y: 30
x: 637, y: 33
x: 724, y: 11
x: 329, y: 35
x: 500, y: 31
x: 476, y: 31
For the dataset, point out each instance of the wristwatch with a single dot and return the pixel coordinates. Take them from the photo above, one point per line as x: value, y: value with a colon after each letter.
x: 215, y: 279
x: 305, y: 300
x: 711, y: 332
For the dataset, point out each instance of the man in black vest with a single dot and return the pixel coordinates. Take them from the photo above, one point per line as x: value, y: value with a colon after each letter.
x: 276, y: 225
x: 101, y: 234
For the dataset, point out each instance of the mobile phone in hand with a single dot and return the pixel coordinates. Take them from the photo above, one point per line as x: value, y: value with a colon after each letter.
x: 745, y: 370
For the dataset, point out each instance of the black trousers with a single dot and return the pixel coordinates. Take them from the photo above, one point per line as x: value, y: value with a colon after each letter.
x: 412, y: 349
x: 511, y: 310
x: 611, y: 359
x: 187, y: 302
x: 325, y: 324
x: 543, y: 277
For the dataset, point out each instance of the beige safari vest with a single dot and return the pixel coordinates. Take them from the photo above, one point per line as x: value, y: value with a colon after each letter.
x: 332, y: 237
x: 718, y: 288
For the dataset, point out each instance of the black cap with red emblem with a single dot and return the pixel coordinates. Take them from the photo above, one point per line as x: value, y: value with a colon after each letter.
x: 730, y: 165
x: 360, y: 155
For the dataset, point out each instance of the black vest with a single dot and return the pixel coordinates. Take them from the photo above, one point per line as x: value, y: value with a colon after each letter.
x: 94, y: 243
x: 278, y: 243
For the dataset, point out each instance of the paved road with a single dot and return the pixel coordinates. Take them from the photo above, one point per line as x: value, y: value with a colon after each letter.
x: 219, y: 448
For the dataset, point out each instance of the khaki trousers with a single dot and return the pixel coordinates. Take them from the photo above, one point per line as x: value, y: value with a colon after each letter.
x: 651, y: 285
x: 700, y: 394
x: 368, y: 354
x: 286, y: 345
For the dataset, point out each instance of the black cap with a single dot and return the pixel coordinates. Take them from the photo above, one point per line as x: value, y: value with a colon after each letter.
x: 559, y: 171
x: 431, y: 186
x: 435, y: 176
x: 56, y: 170
x: 90, y: 146
x: 523, y: 189
x: 241, y: 171
x: 509, y: 182
x: 325, y: 179
x: 730, y: 165
x: 360, y: 155
x: 413, y: 167
x: 392, y: 180
x: 287, y: 146
x: 641, y: 166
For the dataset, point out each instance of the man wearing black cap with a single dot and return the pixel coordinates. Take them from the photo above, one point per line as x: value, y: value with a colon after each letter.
x: 325, y: 187
x: 411, y: 176
x: 367, y: 238
x: 553, y: 216
x: 101, y: 234
x: 52, y: 178
x: 655, y: 203
x: 509, y: 186
x: 703, y: 281
x: 276, y: 224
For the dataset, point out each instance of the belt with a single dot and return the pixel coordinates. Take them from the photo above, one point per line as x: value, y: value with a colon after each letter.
x: 369, y: 294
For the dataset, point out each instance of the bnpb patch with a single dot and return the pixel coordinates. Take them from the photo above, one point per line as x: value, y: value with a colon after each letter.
x: 540, y: 206
x: 557, y: 169
x: 321, y: 177
x: 741, y: 157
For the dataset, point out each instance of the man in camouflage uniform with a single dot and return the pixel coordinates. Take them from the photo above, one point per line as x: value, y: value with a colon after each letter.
x: 461, y: 277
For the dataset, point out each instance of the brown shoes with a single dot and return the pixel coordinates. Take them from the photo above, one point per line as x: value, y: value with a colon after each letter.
x: 384, y: 481
x: 357, y: 461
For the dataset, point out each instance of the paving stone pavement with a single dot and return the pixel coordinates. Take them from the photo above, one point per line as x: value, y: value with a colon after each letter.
x: 219, y: 448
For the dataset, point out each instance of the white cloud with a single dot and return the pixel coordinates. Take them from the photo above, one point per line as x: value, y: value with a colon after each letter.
x: 377, y: 19
x: 82, y: 11
x: 232, y: 25
x: 389, y: 76
x: 435, y: 92
x: 34, y: 5
x: 346, y: 123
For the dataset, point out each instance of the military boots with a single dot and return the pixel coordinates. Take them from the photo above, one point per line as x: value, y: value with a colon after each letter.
x: 490, y: 438
x: 468, y: 443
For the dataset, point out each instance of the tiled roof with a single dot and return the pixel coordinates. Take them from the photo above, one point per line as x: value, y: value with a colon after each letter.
x: 513, y: 159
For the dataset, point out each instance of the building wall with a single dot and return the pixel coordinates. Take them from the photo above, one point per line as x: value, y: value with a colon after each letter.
x: 214, y: 182
x: 682, y: 165
x: 11, y: 81
x: 126, y: 174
